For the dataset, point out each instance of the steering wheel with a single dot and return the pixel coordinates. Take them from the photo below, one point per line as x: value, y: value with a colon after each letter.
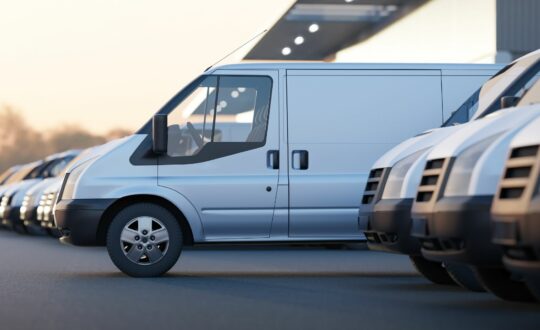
x: 196, y: 136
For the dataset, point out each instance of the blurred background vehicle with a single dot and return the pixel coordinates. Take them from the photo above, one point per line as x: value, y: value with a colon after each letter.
x: 451, y: 212
x: 516, y: 207
x: 385, y: 210
x: 14, y: 193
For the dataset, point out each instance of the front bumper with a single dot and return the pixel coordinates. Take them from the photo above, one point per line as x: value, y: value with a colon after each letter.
x: 78, y: 220
x: 519, y: 237
x: 10, y: 216
x: 388, y: 227
x: 458, y: 230
x: 30, y: 217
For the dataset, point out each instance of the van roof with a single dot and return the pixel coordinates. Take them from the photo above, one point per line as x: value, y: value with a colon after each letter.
x: 355, y: 66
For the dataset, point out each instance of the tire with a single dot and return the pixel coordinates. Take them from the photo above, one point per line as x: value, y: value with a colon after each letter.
x: 144, y: 240
x: 54, y: 232
x: 499, y: 281
x: 433, y: 271
x: 465, y: 277
x: 533, y: 283
x: 35, y: 231
x: 20, y: 229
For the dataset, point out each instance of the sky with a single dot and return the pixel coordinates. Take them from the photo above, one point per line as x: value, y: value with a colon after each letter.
x: 105, y: 64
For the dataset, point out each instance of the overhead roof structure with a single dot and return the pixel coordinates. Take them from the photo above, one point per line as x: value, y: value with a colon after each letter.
x: 317, y: 29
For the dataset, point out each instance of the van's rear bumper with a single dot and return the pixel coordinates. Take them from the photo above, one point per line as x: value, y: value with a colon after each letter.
x: 459, y: 230
x: 389, y: 227
x: 78, y: 220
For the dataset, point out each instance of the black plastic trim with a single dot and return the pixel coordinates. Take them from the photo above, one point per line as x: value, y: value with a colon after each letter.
x: 458, y: 230
x: 390, y: 227
x: 79, y: 219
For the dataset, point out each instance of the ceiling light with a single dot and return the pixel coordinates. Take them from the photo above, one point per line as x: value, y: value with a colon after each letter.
x: 313, y: 28
x: 286, y: 51
x: 299, y: 40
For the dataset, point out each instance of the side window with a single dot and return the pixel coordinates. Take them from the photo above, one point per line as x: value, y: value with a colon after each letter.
x: 222, y: 109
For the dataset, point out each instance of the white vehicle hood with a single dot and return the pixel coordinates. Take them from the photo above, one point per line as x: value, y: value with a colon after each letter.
x: 414, y: 144
x: 477, y: 130
x: 529, y: 135
x: 96, y: 152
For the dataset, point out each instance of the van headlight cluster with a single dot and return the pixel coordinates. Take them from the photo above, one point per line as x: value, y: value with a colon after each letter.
x: 70, y: 180
x: 41, y: 205
x: 394, y: 183
x: 48, y: 207
x: 26, y: 204
x: 461, y: 171
x: 4, y: 203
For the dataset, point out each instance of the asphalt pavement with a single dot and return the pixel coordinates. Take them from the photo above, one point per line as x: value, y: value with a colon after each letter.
x: 46, y: 285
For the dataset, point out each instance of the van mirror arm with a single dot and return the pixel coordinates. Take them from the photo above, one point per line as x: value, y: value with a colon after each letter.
x: 509, y: 101
x: 159, y: 134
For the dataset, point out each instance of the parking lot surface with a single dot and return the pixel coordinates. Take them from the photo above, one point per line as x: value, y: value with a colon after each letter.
x: 46, y: 285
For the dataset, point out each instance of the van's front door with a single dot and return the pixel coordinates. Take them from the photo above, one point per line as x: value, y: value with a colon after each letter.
x: 223, y: 153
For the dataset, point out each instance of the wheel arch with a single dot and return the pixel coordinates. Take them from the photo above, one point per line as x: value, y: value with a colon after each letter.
x: 125, y: 201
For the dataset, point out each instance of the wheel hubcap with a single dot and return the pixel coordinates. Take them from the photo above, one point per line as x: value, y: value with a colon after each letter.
x: 144, y: 240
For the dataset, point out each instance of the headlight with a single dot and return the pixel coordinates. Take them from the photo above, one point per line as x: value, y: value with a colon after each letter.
x: 41, y: 205
x: 70, y: 179
x: 392, y: 188
x: 461, y: 171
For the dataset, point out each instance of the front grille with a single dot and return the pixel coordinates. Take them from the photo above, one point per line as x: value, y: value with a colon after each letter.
x: 374, y: 185
x: 430, y: 178
x: 516, y: 177
x: 448, y: 244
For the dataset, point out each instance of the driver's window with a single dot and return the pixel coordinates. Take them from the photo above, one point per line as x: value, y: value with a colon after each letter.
x: 222, y: 109
x: 190, y: 123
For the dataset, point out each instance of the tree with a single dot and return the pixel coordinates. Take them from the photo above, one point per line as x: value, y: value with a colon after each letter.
x: 72, y: 137
x: 19, y: 143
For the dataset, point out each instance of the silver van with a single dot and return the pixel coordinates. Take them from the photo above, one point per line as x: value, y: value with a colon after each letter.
x: 270, y: 152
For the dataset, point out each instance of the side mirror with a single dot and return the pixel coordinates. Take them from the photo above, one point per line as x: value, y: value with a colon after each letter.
x: 509, y: 101
x: 159, y: 134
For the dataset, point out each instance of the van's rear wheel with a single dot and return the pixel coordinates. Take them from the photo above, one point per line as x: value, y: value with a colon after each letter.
x: 500, y: 282
x: 144, y: 240
x: 433, y: 271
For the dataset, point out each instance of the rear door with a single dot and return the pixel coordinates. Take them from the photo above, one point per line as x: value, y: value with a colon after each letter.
x: 339, y: 123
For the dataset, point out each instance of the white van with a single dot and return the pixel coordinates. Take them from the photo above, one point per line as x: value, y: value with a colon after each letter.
x: 385, y: 210
x: 515, y: 211
x: 270, y: 152
x: 451, y: 211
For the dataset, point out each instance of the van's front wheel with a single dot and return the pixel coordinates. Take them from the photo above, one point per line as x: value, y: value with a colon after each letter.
x: 144, y: 240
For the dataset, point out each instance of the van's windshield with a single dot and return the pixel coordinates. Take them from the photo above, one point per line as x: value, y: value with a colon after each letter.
x: 21, y: 174
x: 531, y: 96
x: 512, y: 80
x: 7, y: 174
x: 54, y: 168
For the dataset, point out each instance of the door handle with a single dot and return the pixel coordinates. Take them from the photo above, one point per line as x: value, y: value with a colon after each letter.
x: 272, y: 159
x: 300, y: 159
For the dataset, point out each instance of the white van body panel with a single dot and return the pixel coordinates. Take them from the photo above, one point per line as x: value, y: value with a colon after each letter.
x: 528, y: 135
x: 487, y: 169
x: 37, y: 190
x: 344, y: 115
x: 490, y: 165
x: 477, y: 130
x: 124, y: 180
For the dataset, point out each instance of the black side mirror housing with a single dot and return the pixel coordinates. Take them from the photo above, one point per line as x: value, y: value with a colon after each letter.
x: 509, y: 101
x: 159, y: 134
